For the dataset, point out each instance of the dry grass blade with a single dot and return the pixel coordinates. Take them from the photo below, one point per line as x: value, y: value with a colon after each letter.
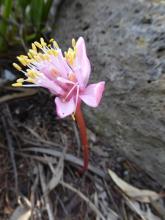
x: 96, y: 202
x: 23, y: 93
x: 32, y: 194
x: 43, y: 185
x: 145, y: 215
x: 159, y: 207
x: 5, y: 120
x: 68, y: 157
x: 37, y: 136
x: 103, y: 201
x: 132, y: 192
x: 57, y: 173
x: 82, y: 196
x: 22, y: 212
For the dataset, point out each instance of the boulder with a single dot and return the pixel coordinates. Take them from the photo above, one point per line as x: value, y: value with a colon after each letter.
x: 126, y: 45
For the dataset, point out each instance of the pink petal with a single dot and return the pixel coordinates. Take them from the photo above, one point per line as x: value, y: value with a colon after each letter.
x: 49, y: 71
x: 63, y: 80
x: 81, y: 65
x: 93, y: 94
x: 64, y: 108
x: 53, y: 87
x: 60, y: 64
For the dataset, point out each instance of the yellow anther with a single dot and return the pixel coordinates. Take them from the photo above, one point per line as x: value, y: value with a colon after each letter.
x: 51, y: 40
x: 28, y: 61
x: 73, y: 43
x: 70, y: 55
x: 20, y: 80
x: 32, y: 52
x: 17, y: 66
x: 32, y: 73
x: 50, y: 52
x: 17, y: 84
x: 29, y: 79
x: 38, y: 44
x: 29, y: 55
x: 46, y: 57
x: 23, y: 60
x: 55, y: 44
x: 34, y: 47
x: 70, y: 51
x: 38, y: 57
x: 24, y: 56
x: 43, y: 42
x: 55, y: 53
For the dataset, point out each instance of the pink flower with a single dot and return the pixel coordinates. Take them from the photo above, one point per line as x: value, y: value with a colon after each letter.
x: 64, y: 76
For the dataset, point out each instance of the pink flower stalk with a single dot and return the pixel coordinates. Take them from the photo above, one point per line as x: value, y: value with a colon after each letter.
x: 66, y: 77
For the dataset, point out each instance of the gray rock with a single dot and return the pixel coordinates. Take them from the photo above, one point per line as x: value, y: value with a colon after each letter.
x: 126, y: 45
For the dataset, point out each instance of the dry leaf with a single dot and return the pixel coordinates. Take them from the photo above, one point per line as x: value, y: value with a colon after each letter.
x: 22, y: 212
x: 132, y: 192
x: 145, y: 215
x: 57, y: 173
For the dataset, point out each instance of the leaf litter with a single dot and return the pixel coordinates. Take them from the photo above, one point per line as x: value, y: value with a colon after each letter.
x: 133, y: 195
x: 52, y: 184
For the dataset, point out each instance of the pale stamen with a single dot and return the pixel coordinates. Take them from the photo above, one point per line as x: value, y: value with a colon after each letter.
x: 30, y: 85
x: 71, y: 90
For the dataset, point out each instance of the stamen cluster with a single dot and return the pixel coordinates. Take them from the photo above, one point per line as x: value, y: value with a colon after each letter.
x: 66, y: 76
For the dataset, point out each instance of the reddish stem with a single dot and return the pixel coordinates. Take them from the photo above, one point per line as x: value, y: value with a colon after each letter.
x: 83, y: 136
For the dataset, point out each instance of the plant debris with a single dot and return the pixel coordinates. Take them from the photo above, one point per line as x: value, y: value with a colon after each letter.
x: 47, y: 162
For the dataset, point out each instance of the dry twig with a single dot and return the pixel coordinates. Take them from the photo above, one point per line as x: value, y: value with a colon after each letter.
x: 82, y: 196
x: 46, y: 197
x: 10, y: 145
x: 68, y: 157
x: 23, y: 93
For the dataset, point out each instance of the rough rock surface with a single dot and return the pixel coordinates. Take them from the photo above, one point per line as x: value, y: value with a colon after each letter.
x: 126, y: 45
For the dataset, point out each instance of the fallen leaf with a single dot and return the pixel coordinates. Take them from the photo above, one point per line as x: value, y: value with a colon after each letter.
x: 57, y: 173
x: 145, y: 215
x: 23, y: 211
x: 141, y: 195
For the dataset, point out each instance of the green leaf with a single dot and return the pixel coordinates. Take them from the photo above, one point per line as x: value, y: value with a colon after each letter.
x: 46, y: 9
x: 36, y: 9
x: 4, y: 24
x: 23, y: 3
x: 2, y: 2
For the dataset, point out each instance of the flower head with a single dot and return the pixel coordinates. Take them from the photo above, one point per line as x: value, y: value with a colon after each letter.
x: 66, y: 76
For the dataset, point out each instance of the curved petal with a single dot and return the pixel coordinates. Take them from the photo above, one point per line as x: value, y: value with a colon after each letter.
x: 64, y: 108
x: 49, y: 71
x: 63, y: 80
x: 60, y: 64
x: 56, y: 65
x: 52, y: 86
x: 93, y: 94
x: 81, y: 66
